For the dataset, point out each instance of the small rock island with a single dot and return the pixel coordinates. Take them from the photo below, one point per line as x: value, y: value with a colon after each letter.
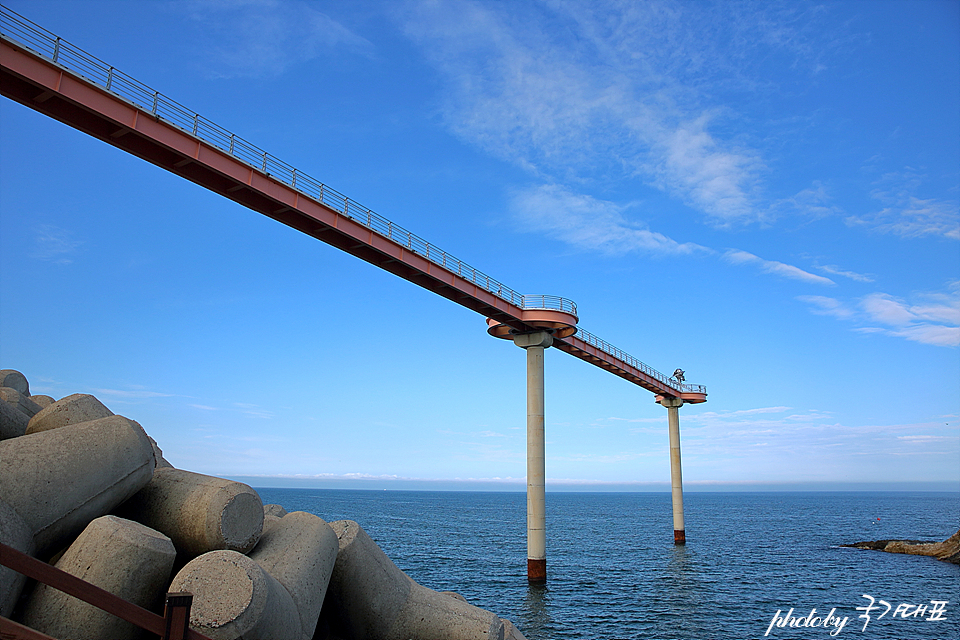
x: 948, y: 550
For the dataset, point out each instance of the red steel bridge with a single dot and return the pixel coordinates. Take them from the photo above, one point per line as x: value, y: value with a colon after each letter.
x: 46, y: 73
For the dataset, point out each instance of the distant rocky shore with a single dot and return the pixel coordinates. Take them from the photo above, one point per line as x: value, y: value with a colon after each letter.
x: 90, y: 492
x: 948, y: 550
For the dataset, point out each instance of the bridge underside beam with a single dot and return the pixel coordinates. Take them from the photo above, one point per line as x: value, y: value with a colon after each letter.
x: 588, y: 353
x: 42, y: 85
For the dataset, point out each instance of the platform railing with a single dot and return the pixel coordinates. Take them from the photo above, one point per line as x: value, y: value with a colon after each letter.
x: 553, y: 303
x: 18, y: 29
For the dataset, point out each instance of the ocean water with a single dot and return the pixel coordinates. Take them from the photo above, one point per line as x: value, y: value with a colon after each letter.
x: 613, y: 571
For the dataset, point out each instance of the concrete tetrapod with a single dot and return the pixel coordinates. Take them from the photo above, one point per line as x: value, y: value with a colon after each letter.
x: 60, y: 480
x: 374, y: 600
x: 15, y: 380
x: 299, y: 550
x: 42, y: 401
x: 123, y: 557
x: 13, y: 421
x: 233, y: 597
x: 200, y: 513
x: 22, y: 402
x: 14, y: 532
x: 76, y: 408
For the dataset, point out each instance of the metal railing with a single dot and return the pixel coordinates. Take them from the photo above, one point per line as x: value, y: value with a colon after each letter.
x: 76, y: 60
x: 18, y: 29
x: 625, y: 357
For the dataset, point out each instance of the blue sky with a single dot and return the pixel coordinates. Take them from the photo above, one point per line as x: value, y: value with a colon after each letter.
x: 764, y: 194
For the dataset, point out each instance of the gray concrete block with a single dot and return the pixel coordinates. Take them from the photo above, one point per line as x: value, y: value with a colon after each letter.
x: 299, y: 550
x: 15, y: 380
x: 74, y: 409
x: 510, y: 632
x: 13, y: 422
x: 60, y: 480
x: 274, y: 510
x: 200, y: 513
x: 374, y: 600
x: 123, y: 557
x: 268, y: 523
x: 20, y: 401
x: 454, y: 594
x: 42, y: 401
x: 15, y: 533
x: 233, y: 597
x: 158, y: 454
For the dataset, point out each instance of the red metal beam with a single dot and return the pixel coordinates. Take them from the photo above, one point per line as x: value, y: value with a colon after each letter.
x: 46, y: 87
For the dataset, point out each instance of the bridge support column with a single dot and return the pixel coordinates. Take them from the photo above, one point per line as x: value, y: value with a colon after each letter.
x: 676, y: 480
x: 535, y: 344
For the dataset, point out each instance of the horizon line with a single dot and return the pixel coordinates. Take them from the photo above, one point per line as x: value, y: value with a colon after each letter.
x: 513, y: 485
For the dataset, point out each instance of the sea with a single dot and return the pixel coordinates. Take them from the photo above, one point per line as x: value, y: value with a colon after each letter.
x: 756, y: 565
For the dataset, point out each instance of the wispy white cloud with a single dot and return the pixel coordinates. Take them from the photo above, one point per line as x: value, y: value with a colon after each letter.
x: 254, y: 411
x: 934, y: 320
x: 264, y: 38
x: 137, y: 393
x: 826, y: 306
x: 618, y: 90
x: 589, y: 223
x: 813, y: 202
x: 716, y: 178
x: 931, y: 318
x: 905, y: 213
x: 743, y: 412
x: 852, y: 275
x: 712, y: 437
x: 738, y: 257
x: 54, y: 244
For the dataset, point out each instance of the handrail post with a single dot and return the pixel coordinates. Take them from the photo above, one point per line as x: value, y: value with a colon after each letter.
x: 176, y: 615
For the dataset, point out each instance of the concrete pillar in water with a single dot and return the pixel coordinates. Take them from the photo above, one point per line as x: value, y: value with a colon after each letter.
x: 676, y: 480
x: 534, y: 344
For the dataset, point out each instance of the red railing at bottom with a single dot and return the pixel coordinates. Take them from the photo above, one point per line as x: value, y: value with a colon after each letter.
x: 173, y: 625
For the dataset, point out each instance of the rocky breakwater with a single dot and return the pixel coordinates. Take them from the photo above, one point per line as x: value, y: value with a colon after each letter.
x: 948, y: 550
x: 90, y: 492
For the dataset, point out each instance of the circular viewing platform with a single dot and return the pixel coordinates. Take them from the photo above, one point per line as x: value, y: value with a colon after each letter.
x: 550, y: 313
